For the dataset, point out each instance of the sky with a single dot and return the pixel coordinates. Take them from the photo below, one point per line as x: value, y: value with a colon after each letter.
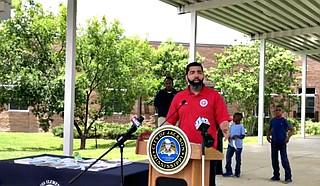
x: 151, y: 19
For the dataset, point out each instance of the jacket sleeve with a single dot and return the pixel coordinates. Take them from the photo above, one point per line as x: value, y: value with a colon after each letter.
x: 156, y: 100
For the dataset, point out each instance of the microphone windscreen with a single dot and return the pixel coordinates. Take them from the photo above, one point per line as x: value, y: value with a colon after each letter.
x: 137, y: 121
x: 140, y: 118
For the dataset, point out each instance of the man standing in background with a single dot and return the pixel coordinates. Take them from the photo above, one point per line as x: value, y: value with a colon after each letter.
x: 163, y: 99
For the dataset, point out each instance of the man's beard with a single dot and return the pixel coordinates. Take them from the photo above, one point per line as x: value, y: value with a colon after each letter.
x: 196, y: 85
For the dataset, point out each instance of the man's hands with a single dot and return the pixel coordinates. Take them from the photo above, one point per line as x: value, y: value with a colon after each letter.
x: 291, y: 131
x: 224, y: 126
x: 269, y: 138
x: 287, y: 139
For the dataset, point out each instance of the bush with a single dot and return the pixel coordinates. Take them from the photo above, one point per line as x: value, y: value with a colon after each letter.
x: 251, y: 124
x: 105, y: 130
x: 312, y: 128
x: 295, y: 123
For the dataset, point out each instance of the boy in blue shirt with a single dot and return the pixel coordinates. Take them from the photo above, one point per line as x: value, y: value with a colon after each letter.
x: 237, y: 133
x: 278, y: 138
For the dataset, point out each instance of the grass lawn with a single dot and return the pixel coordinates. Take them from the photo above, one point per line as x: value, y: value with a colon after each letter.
x: 16, y: 145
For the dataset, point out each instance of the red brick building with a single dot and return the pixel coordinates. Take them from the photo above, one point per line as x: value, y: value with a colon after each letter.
x: 24, y: 121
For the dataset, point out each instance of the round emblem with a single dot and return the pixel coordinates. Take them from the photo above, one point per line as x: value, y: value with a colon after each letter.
x: 203, y: 102
x: 49, y: 183
x: 168, y: 150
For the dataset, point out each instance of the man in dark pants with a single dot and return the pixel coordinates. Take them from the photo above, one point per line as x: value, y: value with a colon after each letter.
x: 278, y: 138
x: 219, y: 170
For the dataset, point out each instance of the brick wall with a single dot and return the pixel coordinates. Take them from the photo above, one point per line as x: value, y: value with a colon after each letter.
x: 313, y: 79
x: 4, y: 122
x: 15, y: 121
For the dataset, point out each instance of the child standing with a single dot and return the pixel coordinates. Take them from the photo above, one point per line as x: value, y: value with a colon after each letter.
x: 278, y: 137
x: 237, y: 133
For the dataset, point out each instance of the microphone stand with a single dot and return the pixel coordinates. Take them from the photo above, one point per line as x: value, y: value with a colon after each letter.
x: 120, y: 143
x: 182, y: 103
x: 121, y: 164
x: 203, y: 133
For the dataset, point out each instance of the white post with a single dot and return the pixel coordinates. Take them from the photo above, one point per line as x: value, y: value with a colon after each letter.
x: 70, y: 78
x: 193, y: 42
x: 261, y: 92
x: 203, y: 169
x: 303, y: 95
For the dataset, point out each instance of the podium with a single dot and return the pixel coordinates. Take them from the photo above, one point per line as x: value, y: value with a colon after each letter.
x: 191, y: 174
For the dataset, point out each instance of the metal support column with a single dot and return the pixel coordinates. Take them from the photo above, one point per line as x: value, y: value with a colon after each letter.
x: 261, y: 92
x: 193, y: 42
x: 303, y: 95
x: 70, y: 78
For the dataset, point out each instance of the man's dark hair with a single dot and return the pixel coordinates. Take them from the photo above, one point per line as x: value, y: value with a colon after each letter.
x: 169, y: 78
x: 193, y: 64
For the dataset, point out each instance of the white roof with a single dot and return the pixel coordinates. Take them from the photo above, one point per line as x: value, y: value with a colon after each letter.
x: 292, y: 24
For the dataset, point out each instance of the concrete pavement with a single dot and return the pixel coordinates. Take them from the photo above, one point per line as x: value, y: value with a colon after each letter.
x: 304, y: 158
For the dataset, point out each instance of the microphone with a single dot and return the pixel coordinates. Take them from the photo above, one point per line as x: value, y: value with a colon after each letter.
x: 202, y: 124
x: 136, y: 122
x: 182, y: 103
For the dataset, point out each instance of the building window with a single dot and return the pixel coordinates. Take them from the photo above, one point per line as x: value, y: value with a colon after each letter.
x: 310, y: 103
x: 12, y: 107
x: 266, y: 111
x: 116, y: 107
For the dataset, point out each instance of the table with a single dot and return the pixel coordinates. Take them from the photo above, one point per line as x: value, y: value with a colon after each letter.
x: 12, y: 174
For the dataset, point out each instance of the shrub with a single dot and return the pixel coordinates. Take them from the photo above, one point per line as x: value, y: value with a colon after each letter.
x: 295, y: 123
x: 106, y: 130
x: 312, y: 128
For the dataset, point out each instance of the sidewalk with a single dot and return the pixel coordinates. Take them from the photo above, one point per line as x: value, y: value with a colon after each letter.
x: 304, y: 158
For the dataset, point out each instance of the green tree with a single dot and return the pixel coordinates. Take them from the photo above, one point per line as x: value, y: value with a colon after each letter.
x: 170, y: 59
x: 111, y: 71
x: 32, y: 54
x: 236, y: 73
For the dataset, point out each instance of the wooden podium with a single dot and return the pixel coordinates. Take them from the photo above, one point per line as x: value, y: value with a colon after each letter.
x: 192, y: 172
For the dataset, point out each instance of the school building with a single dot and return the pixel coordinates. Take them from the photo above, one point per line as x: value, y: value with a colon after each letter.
x: 16, y: 119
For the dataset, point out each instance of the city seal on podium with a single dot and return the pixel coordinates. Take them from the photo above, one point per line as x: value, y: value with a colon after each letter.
x: 168, y: 150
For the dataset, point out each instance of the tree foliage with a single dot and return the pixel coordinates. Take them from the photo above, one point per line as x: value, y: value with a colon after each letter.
x: 110, y: 73
x: 33, y: 55
x: 170, y: 59
x: 236, y: 73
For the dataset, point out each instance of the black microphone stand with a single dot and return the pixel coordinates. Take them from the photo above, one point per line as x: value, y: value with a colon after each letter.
x: 121, y: 164
x: 120, y: 143
x: 182, y: 103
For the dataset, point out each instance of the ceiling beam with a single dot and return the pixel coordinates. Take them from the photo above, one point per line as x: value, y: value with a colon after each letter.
x: 312, y: 51
x: 287, y: 33
x: 205, y: 5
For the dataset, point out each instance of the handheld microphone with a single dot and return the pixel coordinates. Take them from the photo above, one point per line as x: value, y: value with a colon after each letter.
x: 136, y: 122
x: 202, y: 124
x: 182, y: 103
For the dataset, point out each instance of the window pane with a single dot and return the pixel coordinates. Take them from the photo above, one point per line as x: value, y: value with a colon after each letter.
x: 14, y: 106
x: 308, y: 90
